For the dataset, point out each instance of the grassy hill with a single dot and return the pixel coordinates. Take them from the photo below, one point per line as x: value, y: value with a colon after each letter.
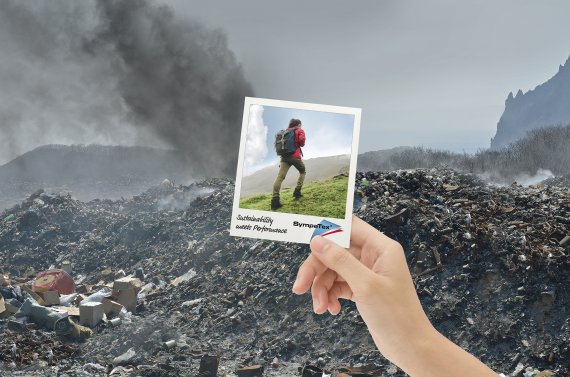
x: 326, y: 198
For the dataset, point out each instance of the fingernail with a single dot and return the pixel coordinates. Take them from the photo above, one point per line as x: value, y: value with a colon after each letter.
x: 318, y: 243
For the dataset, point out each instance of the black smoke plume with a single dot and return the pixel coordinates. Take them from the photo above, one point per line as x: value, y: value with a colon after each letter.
x: 118, y: 72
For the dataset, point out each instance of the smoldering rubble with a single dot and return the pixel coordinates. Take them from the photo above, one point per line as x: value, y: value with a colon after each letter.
x: 491, y: 266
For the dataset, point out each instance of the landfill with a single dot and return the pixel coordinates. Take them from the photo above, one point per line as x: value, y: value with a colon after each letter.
x: 183, y: 298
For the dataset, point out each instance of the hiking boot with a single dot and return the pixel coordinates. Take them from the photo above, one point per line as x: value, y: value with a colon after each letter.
x: 275, y: 204
x: 297, y: 193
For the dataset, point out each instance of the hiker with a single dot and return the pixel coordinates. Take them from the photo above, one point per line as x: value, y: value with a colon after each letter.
x: 289, y: 159
x: 374, y: 274
x: 8, y: 291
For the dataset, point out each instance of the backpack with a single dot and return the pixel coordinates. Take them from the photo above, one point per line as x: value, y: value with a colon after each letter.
x: 285, y: 142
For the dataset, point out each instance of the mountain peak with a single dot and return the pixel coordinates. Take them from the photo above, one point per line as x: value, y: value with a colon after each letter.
x: 544, y: 106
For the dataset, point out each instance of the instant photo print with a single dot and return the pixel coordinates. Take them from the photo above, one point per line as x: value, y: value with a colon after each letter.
x: 296, y: 171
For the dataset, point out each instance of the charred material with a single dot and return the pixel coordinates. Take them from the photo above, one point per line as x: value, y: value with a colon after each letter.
x: 490, y: 265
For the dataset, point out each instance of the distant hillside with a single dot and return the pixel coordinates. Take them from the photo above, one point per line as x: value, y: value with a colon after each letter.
x: 544, y: 149
x: 89, y: 172
x: 261, y: 182
x: 368, y: 161
x: 547, y: 105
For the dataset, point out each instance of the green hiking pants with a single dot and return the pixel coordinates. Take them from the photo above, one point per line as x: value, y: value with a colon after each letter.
x: 286, y: 163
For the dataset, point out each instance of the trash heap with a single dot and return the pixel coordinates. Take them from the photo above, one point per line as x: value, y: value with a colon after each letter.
x: 560, y: 181
x: 490, y: 264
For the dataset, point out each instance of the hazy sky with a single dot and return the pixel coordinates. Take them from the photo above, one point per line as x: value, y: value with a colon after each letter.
x: 327, y: 134
x: 433, y: 73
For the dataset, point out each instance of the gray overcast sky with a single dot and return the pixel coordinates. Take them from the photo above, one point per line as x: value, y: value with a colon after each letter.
x: 433, y: 73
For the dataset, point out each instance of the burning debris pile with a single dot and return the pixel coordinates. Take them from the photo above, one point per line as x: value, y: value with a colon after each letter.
x: 490, y: 264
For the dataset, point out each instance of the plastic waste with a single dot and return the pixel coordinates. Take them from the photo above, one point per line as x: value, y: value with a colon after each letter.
x: 99, y: 295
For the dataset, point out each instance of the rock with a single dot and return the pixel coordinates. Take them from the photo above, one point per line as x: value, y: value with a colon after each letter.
x: 392, y: 369
x: 94, y: 368
x: 126, y: 358
x: 275, y: 363
x: 518, y: 370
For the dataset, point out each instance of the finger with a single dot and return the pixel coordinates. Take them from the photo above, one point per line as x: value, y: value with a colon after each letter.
x: 362, y: 232
x: 320, y: 290
x: 341, y: 289
x: 356, y: 252
x: 343, y: 262
x: 310, y: 268
x: 338, y: 290
x: 334, y: 305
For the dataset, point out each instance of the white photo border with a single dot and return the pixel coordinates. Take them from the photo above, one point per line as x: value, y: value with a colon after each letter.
x: 289, y: 227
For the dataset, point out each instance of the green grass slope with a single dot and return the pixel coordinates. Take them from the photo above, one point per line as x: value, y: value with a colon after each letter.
x: 326, y: 198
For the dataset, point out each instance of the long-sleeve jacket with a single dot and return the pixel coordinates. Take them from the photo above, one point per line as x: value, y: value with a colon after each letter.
x: 299, y: 141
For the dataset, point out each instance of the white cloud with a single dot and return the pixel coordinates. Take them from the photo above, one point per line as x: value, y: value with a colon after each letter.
x: 256, y: 144
x: 324, y: 140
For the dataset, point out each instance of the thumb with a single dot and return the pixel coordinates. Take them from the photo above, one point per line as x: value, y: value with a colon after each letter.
x: 342, y: 262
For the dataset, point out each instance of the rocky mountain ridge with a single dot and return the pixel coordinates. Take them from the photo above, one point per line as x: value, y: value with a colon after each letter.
x: 546, y: 105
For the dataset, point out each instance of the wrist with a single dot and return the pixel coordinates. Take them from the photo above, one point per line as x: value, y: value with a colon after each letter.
x: 409, y: 346
x: 422, y: 351
x: 435, y: 355
x: 417, y: 348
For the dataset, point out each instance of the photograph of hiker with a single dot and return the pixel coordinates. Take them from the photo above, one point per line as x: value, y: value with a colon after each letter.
x: 297, y: 161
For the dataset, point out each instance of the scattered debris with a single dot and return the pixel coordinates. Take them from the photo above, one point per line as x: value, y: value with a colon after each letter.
x: 250, y: 371
x: 175, y: 286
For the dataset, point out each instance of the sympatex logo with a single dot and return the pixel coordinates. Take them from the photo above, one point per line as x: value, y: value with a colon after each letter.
x: 326, y: 228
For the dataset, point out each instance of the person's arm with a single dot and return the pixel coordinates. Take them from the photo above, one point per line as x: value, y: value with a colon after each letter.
x: 374, y: 274
x: 300, y: 135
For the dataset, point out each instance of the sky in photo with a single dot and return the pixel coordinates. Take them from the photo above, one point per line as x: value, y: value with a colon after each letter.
x: 327, y: 134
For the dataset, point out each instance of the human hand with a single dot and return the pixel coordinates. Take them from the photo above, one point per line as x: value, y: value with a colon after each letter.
x: 374, y: 274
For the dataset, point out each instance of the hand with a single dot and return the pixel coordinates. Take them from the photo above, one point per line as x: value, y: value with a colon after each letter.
x: 374, y: 274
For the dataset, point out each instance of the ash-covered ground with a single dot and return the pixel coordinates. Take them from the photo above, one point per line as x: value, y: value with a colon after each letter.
x: 491, y: 266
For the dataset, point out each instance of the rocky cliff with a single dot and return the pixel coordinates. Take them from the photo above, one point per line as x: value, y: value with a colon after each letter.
x: 546, y: 105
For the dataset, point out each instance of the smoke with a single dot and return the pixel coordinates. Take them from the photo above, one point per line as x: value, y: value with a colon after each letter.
x: 497, y: 178
x: 178, y: 200
x: 256, y: 144
x: 117, y: 72
x: 530, y: 180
